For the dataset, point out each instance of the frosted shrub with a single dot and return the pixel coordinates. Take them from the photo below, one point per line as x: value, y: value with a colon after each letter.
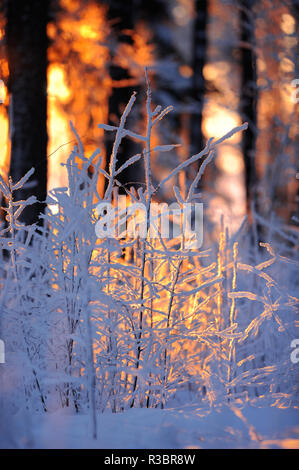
x: 99, y: 323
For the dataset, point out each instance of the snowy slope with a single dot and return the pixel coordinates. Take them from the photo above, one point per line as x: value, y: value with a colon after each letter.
x: 186, y: 427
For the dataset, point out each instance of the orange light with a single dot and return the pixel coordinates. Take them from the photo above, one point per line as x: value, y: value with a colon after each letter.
x: 2, y: 92
x: 218, y: 121
x: 86, y: 31
x: 4, y: 163
x: 186, y: 71
x: 57, y: 83
x: 77, y: 82
x: 287, y: 24
x: 229, y: 160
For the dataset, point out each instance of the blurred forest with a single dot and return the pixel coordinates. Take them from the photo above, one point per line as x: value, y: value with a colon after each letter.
x: 218, y: 62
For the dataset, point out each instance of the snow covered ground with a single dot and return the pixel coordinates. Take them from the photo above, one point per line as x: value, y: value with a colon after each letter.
x: 176, y: 428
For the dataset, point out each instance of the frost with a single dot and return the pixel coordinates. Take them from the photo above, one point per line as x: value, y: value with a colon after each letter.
x: 103, y: 324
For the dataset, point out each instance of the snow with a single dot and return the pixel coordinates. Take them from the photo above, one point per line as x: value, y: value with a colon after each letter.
x: 187, y: 427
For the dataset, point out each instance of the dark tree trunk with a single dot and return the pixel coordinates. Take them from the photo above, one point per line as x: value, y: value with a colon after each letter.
x: 27, y: 57
x: 249, y: 96
x: 198, y: 82
x: 122, y: 14
x: 295, y: 12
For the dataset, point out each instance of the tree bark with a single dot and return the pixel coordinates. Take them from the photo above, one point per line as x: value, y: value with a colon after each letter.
x: 122, y: 14
x: 295, y: 12
x: 249, y: 97
x: 198, y: 82
x: 27, y: 43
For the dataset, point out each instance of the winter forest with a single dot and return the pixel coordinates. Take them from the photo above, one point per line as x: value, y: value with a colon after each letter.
x: 149, y: 188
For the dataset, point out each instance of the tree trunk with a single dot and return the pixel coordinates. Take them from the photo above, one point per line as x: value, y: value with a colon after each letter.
x: 249, y: 96
x: 295, y: 12
x: 198, y: 82
x: 27, y: 44
x: 122, y: 15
